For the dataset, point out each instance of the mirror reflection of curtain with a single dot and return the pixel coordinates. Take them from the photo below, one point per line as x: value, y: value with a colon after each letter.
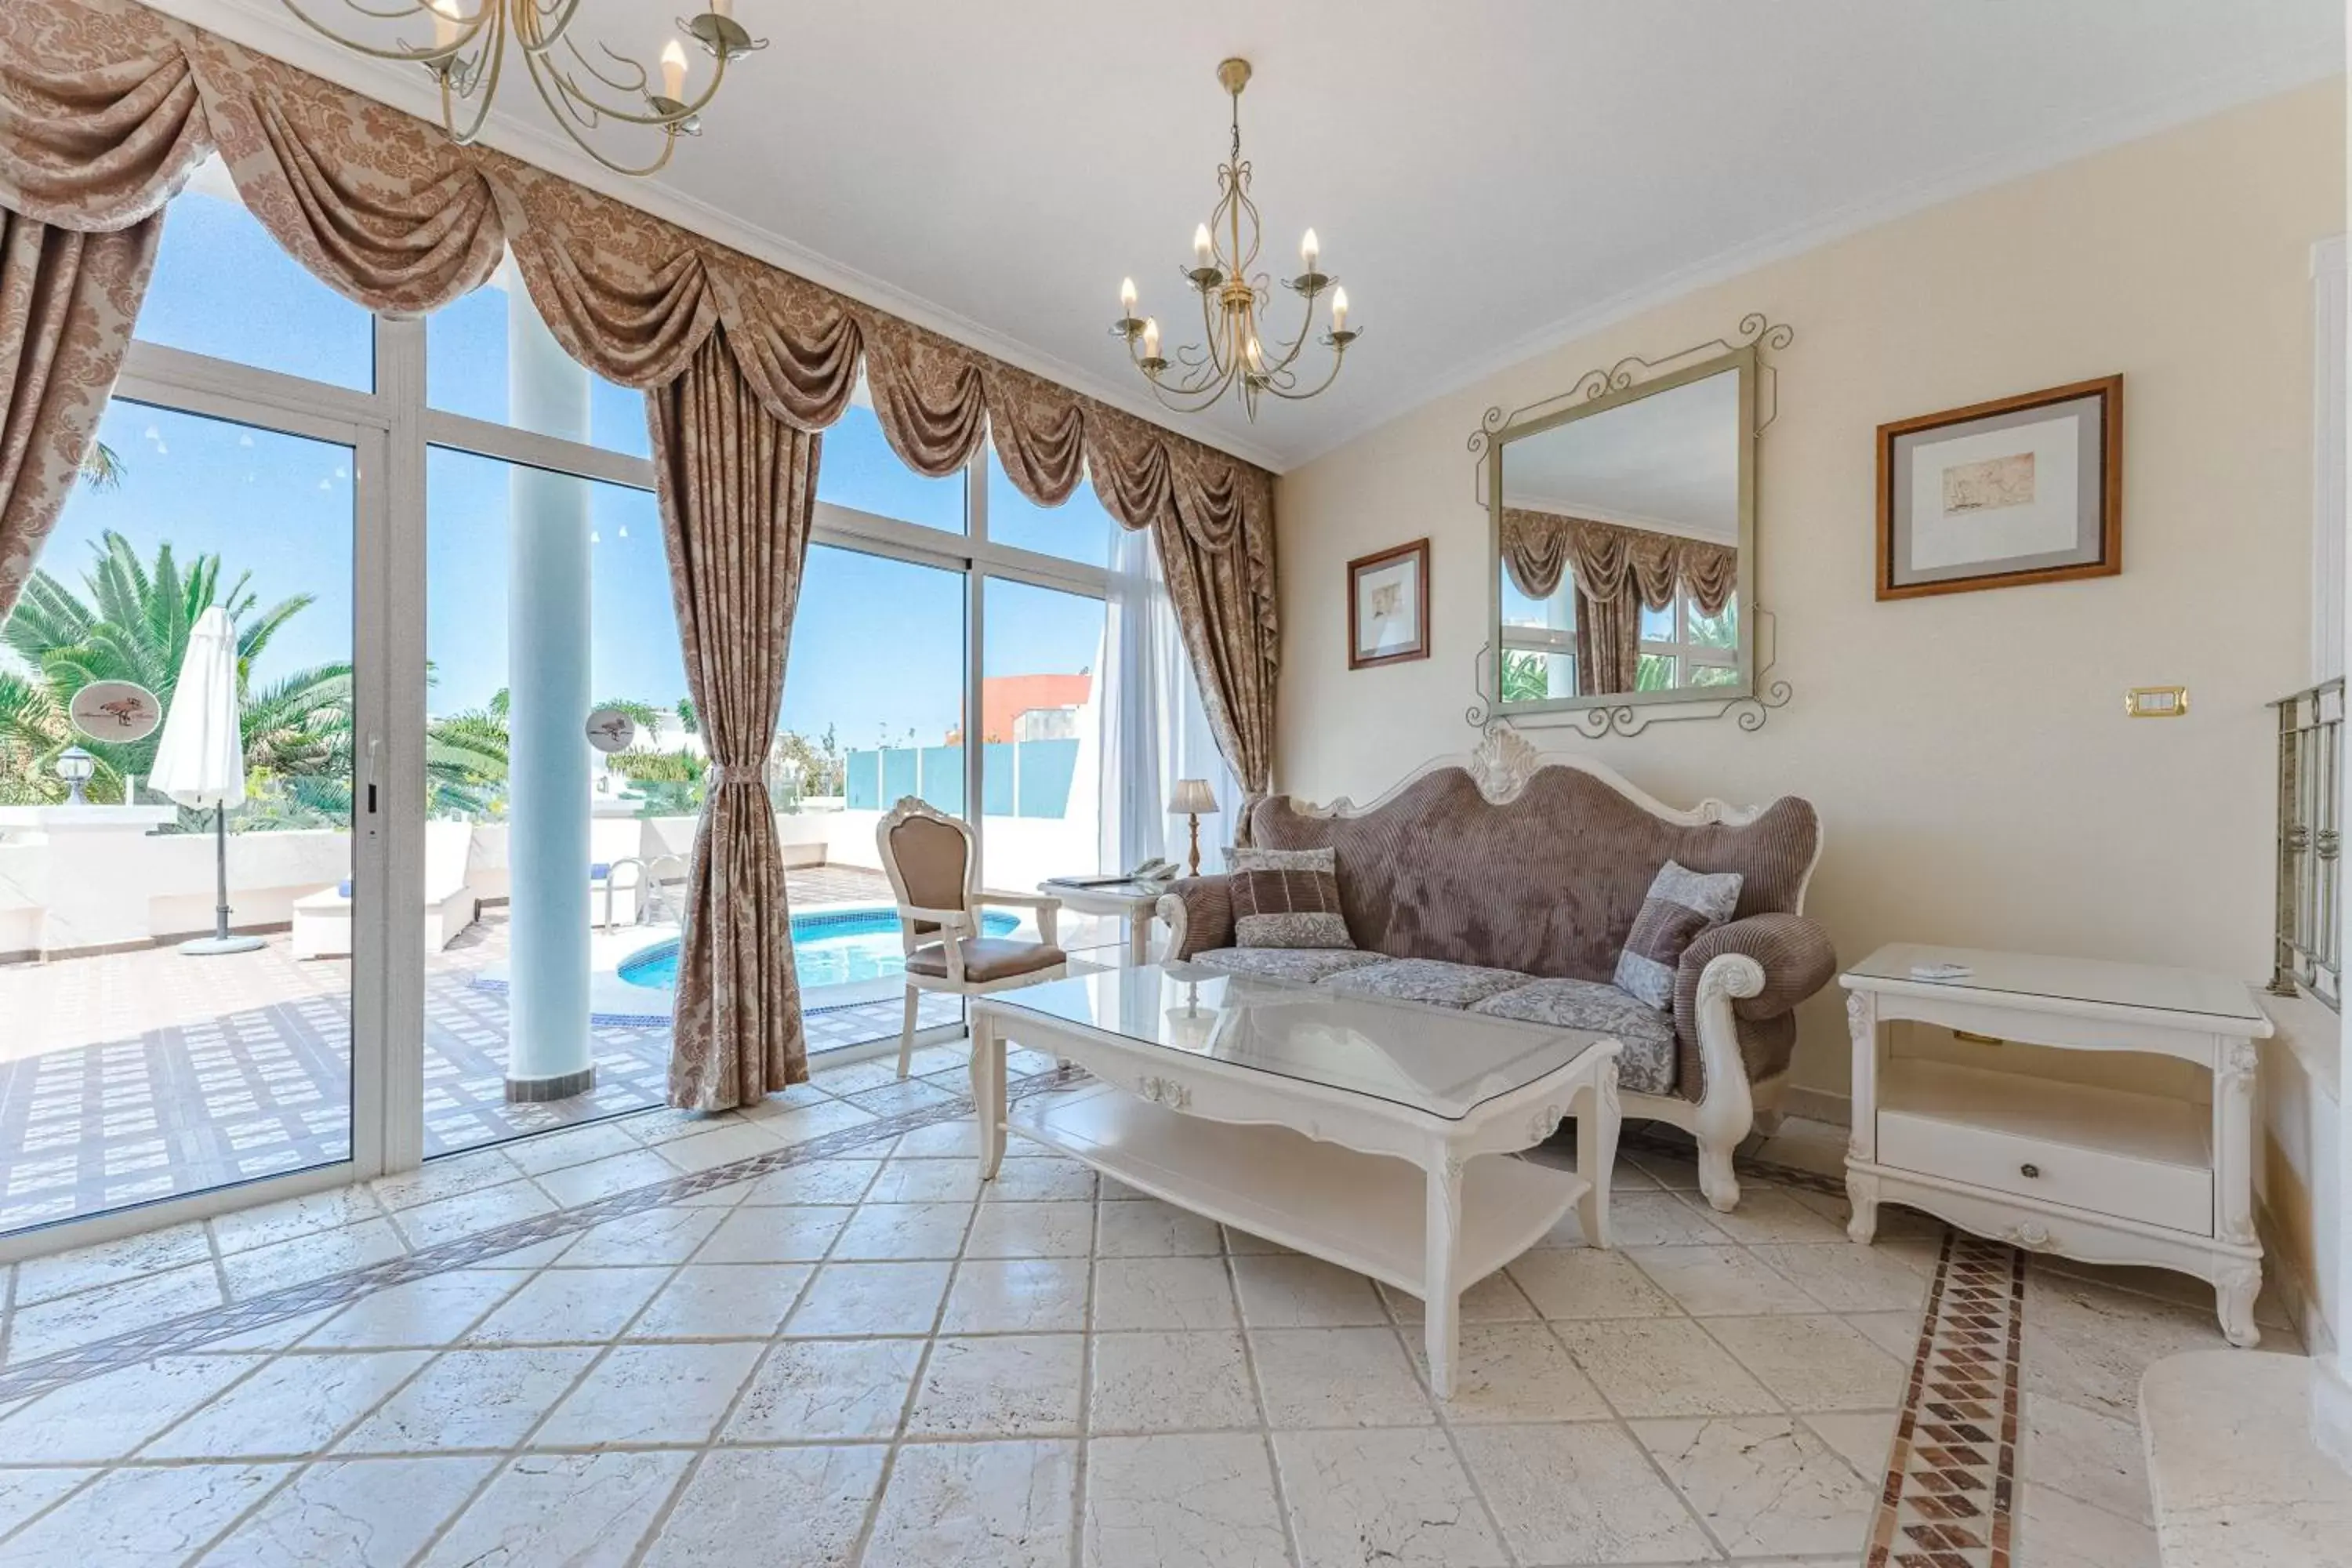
x: 1617, y: 571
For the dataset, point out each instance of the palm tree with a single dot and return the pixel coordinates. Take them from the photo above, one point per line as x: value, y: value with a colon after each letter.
x: 101, y: 469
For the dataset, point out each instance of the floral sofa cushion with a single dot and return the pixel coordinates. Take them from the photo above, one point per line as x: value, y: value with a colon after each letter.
x: 1306, y: 965
x: 1646, y: 1065
x: 1430, y: 980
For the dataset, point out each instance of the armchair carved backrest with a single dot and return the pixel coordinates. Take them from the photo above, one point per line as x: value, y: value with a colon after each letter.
x: 934, y: 873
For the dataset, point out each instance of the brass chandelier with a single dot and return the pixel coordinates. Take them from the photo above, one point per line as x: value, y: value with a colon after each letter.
x: 1235, y: 355
x: 467, y: 56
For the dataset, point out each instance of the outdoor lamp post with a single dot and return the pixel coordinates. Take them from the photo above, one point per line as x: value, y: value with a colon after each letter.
x: 75, y: 766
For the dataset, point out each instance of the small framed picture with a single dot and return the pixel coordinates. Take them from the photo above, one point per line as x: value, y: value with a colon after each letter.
x: 1388, y: 605
x: 2022, y: 489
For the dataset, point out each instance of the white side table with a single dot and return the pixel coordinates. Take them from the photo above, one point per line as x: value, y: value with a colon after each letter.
x: 1133, y: 901
x: 2106, y: 1175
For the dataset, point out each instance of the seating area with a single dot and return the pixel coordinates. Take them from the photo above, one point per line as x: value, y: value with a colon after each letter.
x: 716, y: 848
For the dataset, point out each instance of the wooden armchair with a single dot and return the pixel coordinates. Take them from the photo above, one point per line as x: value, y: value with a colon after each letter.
x: 934, y: 876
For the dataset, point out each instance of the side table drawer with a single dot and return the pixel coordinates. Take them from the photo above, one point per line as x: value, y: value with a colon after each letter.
x: 2102, y: 1181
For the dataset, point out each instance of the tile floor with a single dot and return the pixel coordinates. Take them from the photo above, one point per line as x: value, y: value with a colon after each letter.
x: 804, y: 1336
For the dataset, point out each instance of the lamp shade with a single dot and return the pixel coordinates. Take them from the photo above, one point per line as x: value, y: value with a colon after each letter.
x: 1192, y: 797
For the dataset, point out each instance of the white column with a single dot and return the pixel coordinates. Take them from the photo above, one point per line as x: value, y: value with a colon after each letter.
x: 548, y: 765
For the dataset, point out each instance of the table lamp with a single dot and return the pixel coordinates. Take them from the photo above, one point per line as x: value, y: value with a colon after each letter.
x: 1193, y: 798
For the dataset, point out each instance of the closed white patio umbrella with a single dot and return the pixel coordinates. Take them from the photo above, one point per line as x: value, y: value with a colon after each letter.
x: 200, y: 762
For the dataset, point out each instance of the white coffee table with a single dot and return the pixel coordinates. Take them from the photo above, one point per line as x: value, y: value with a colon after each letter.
x: 1367, y: 1133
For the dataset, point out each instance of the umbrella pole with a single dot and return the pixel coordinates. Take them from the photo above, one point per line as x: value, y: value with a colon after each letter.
x: 220, y: 940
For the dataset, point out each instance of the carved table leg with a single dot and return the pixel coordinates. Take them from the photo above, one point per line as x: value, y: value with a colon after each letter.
x: 2235, y: 1286
x: 1596, y: 1153
x: 1862, y: 1143
x: 1442, y: 1270
x: 987, y: 1093
x: 1862, y: 1193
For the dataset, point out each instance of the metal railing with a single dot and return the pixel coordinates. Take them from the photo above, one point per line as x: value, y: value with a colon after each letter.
x: 2309, y: 941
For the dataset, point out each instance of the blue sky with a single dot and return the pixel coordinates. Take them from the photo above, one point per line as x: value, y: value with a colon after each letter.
x: 878, y: 647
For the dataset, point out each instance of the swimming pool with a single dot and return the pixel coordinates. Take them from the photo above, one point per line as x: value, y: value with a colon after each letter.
x: 834, y: 947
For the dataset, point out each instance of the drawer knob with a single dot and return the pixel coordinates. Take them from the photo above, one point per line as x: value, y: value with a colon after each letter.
x: 2030, y: 1172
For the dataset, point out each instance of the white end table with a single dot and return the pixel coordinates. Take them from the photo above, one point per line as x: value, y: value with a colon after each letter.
x: 1132, y: 901
x: 2100, y: 1173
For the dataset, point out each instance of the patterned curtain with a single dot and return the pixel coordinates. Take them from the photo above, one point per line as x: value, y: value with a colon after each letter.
x: 737, y: 489
x: 1608, y: 560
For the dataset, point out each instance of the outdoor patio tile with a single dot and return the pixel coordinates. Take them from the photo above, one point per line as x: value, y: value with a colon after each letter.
x: 308, y: 1257
x: 97, y: 1419
x: 804, y: 1506
x: 294, y: 1406
x: 977, y: 1505
x: 1202, y: 1500
x: 434, y: 1310
x: 472, y: 1399
x: 572, y: 1185
x: 1390, y: 1497
x: 826, y: 1391
x: 1170, y: 1382
x: 585, y: 1511
x: 137, y: 1518
x: 133, y: 1257
x: 651, y: 1393
x: 355, y: 1513
x: 62, y: 1324
x: 244, y: 1229
x: 722, y: 1301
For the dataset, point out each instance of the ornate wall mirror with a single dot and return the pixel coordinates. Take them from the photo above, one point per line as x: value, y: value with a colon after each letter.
x: 1623, y: 519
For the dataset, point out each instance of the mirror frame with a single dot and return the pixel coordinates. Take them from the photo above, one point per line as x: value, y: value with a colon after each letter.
x: 1744, y: 360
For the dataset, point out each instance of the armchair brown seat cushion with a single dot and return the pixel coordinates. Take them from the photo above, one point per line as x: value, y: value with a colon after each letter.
x: 987, y: 958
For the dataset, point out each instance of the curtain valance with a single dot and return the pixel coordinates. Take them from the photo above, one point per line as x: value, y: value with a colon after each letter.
x: 105, y: 108
x: 1609, y: 561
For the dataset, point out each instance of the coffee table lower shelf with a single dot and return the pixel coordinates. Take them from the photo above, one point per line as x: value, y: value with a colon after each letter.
x: 1364, y: 1212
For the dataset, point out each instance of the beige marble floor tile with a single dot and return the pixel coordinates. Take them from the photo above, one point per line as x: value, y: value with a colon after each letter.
x: 1291, y: 1291
x: 651, y: 1393
x: 1002, y: 1385
x: 826, y: 1391
x: 1710, y: 1280
x: 1813, y: 1363
x: 1200, y: 1500
x: 1338, y: 1377
x: 1150, y: 1229
x: 472, y: 1399
x: 912, y: 1180
x: 244, y: 1229
x: 736, y: 1140
x: 434, y: 1310
x: 879, y: 1231
x: 572, y: 1146
x: 444, y: 1177
x: 1514, y: 1372
x: 655, y: 1235
x: 1033, y: 1179
x: 1153, y: 1381
x: 314, y: 1257
x: 581, y: 1511
x: 573, y: 1306
x: 294, y: 1406
x: 1242, y: 1243
x: 137, y: 1518
x: 24, y: 1493
x: 105, y: 1417
x: 811, y: 1121
x: 469, y: 1213
x: 1580, y: 1283
x: 273, y: 1333
x: 1017, y: 1295
x: 841, y: 1181
x: 1493, y: 1299
x: 1863, y: 1438
x: 102, y: 1313
x: 1676, y: 1172
x: 803, y: 1506
x: 354, y: 1513
x: 1381, y: 1497
x: 723, y: 1301
x: 575, y: 1184
x: 1050, y: 1229
x: 1845, y: 1277
x: 2091, y: 1457
x: 131, y: 1258
x: 1580, y: 1493
x: 941, y: 1139
x: 1763, y: 1483
x: 1896, y: 1333
x: 871, y: 1299
x: 1650, y: 1218
x: 977, y: 1505
x: 1766, y: 1214
x: 1667, y: 1366
x: 2055, y: 1530
x: 799, y: 1234
x: 1162, y: 1293
x: 2099, y: 1366
x: 915, y: 1094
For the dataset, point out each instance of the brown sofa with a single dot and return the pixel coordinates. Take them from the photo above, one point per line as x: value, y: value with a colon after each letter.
x: 1506, y: 885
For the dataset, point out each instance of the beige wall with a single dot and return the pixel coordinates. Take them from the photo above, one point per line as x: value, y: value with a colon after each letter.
x: 1969, y: 753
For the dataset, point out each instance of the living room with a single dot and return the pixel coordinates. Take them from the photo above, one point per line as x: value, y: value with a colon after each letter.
x: 1647, y: 871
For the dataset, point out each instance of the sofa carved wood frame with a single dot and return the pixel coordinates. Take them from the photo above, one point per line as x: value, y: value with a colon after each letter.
x: 1730, y: 1105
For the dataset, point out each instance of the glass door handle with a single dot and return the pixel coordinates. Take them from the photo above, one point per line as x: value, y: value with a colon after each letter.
x: 375, y: 749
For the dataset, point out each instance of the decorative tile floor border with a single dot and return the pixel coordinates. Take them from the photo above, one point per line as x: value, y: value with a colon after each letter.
x: 182, y: 1334
x: 1951, y: 1476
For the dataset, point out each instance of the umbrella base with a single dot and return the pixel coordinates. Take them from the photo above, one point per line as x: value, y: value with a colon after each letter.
x: 205, y: 946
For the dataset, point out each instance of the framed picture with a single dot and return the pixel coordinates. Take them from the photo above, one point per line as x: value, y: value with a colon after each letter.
x: 2022, y: 489
x: 1388, y: 605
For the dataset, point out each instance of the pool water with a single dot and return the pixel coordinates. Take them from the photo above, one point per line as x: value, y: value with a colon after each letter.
x: 836, y: 948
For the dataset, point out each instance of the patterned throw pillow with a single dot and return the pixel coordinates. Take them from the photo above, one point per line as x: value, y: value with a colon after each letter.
x: 1287, y: 898
x: 1682, y: 903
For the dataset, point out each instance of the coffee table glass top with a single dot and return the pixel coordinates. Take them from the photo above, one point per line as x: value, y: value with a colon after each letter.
x: 1433, y: 1059
x: 2068, y: 979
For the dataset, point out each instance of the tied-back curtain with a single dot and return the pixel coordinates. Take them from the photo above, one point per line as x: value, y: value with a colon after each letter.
x: 1609, y: 561
x: 738, y: 488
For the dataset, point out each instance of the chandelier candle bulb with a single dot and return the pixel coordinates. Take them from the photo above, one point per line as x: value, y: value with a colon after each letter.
x: 446, y: 22
x: 1200, y: 245
x: 1127, y: 295
x: 1339, y: 310
x: 723, y: 9
x: 673, y: 69
x: 1151, y: 338
x: 1309, y: 251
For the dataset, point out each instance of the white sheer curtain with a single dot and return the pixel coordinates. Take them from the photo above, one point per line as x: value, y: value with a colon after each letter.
x: 1154, y: 729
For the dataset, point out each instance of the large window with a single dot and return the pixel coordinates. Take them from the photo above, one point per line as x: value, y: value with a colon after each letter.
x: 1538, y: 643
x: 1682, y: 645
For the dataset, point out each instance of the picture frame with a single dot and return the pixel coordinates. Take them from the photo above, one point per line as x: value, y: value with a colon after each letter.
x: 2000, y: 494
x: 1387, y: 607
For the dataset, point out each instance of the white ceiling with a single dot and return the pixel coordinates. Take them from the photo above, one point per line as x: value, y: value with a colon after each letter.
x: 1668, y: 463
x: 1486, y: 179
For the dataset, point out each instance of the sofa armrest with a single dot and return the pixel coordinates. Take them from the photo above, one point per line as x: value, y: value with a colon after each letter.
x: 1794, y: 953
x: 1200, y: 915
